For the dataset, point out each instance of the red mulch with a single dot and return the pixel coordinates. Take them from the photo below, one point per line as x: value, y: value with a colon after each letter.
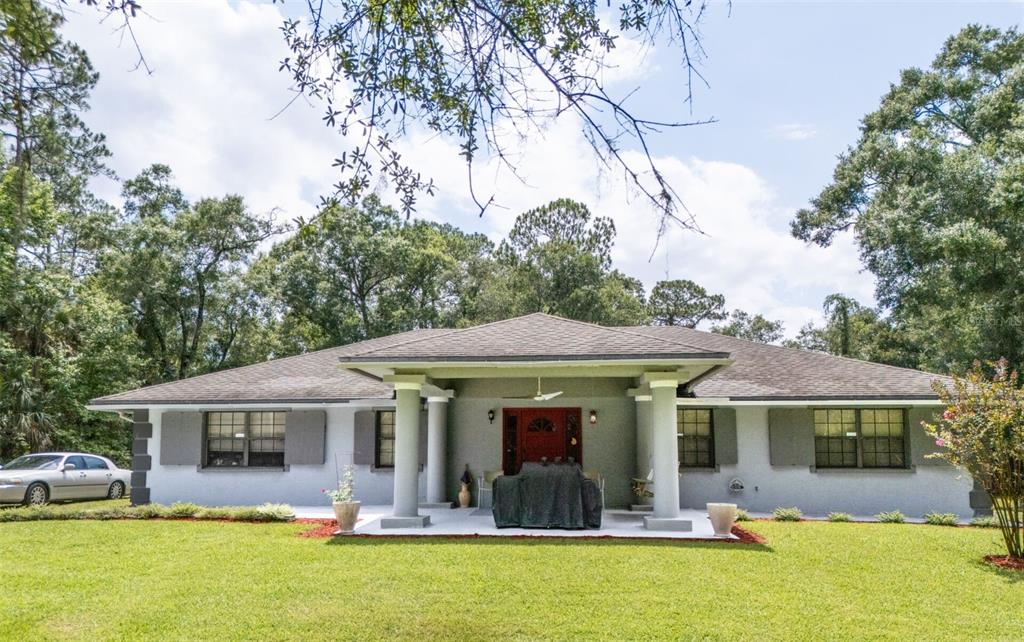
x: 325, y: 528
x: 1007, y: 562
x: 747, y: 537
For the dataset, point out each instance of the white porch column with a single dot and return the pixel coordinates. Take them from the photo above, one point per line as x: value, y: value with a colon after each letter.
x: 437, y: 440
x: 665, y: 454
x: 643, y: 439
x: 407, y: 447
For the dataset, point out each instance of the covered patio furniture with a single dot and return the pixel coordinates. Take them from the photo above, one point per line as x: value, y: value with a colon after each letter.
x: 485, y: 484
x: 547, y: 496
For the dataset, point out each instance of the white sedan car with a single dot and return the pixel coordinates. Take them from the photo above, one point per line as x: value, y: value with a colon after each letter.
x: 36, y: 479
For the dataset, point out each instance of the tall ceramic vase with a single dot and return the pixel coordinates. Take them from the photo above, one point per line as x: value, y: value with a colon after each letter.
x: 722, y: 517
x: 347, y: 514
x: 464, y: 496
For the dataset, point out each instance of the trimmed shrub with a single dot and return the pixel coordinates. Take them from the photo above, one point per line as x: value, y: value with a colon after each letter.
x: 276, y: 512
x: 787, y: 514
x: 891, y: 517
x: 181, y: 510
x: 985, y: 521
x: 147, y: 511
x: 178, y: 510
x: 742, y: 515
x: 840, y: 517
x: 214, y: 513
x: 942, y: 519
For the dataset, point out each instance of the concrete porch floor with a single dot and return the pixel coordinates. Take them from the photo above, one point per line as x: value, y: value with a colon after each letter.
x: 462, y: 521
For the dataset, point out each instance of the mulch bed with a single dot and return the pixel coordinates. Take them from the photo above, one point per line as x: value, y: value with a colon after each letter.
x: 322, y: 528
x: 1005, y: 561
x: 325, y: 528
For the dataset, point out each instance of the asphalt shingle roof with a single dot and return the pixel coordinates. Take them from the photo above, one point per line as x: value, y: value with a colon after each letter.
x: 533, y: 337
x: 311, y: 377
x: 759, y: 371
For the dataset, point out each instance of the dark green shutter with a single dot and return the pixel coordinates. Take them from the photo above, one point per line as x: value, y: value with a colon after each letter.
x: 181, y: 438
x: 305, y: 436
x: 791, y: 436
x: 919, y: 442
x: 726, y: 449
x: 365, y: 438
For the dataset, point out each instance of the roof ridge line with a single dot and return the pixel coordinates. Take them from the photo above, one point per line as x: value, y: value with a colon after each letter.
x: 446, y: 332
x: 450, y: 332
x: 625, y: 329
x: 798, y: 350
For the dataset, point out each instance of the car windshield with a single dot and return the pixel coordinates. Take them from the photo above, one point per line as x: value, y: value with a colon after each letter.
x: 34, y: 462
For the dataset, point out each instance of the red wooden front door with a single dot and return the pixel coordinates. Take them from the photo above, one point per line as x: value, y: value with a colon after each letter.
x: 533, y: 434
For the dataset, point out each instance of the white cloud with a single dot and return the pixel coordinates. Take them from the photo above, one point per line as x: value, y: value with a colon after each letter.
x: 206, y: 109
x: 206, y: 112
x: 793, y: 131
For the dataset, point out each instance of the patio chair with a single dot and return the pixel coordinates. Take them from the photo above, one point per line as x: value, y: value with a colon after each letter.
x: 485, y: 484
x: 596, y: 477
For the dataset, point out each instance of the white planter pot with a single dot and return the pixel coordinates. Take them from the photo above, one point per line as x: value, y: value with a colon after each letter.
x: 347, y: 513
x: 722, y: 517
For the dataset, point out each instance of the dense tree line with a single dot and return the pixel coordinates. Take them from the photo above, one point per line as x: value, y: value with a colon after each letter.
x: 98, y: 297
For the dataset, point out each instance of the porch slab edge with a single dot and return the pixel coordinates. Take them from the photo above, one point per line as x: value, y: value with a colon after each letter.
x: 419, y: 521
x: 667, y: 524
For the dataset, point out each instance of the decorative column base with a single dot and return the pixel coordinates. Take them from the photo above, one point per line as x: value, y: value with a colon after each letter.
x: 676, y: 524
x: 419, y: 521
x: 429, y: 505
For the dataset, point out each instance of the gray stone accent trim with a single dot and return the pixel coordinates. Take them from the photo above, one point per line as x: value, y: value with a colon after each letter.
x: 142, y: 432
x: 139, y: 496
x: 140, y: 446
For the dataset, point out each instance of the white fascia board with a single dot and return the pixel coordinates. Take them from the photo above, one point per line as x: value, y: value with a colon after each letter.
x: 237, y: 406
x: 806, y: 403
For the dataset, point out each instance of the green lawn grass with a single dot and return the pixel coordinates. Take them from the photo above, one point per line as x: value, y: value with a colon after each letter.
x: 192, y: 580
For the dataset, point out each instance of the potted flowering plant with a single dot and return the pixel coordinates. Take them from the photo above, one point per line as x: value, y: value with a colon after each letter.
x: 346, y: 510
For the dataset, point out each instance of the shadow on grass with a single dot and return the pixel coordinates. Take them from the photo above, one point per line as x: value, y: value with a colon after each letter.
x: 1013, y: 576
x: 544, y: 540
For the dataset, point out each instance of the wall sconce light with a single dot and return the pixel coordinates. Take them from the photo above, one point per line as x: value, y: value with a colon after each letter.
x: 490, y: 415
x: 593, y: 417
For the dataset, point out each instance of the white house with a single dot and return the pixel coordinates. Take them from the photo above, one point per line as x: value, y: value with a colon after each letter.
x: 705, y: 417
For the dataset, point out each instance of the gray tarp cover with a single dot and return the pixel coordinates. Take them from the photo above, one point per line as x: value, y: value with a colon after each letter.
x: 547, y: 496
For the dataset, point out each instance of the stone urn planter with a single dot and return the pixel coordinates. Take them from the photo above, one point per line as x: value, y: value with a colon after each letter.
x: 722, y: 517
x: 347, y: 514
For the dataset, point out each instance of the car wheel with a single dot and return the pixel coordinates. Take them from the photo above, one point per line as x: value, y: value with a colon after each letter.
x: 37, y: 495
x: 116, y: 490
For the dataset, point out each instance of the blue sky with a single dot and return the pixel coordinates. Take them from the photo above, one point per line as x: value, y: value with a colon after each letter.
x: 789, y: 83
x: 820, y: 65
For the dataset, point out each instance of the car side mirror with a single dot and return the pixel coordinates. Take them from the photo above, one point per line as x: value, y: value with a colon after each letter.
x: 68, y: 467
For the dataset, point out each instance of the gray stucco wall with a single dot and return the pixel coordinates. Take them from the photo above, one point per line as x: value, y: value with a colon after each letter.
x: 300, y: 485
x: 931, y: 487
x: 609, y: 447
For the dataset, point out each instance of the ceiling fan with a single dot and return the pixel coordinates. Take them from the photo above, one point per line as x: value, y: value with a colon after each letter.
x: 540, y: 396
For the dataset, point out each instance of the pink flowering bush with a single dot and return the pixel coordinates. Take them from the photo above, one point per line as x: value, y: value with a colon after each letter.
x: 982, y: 431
